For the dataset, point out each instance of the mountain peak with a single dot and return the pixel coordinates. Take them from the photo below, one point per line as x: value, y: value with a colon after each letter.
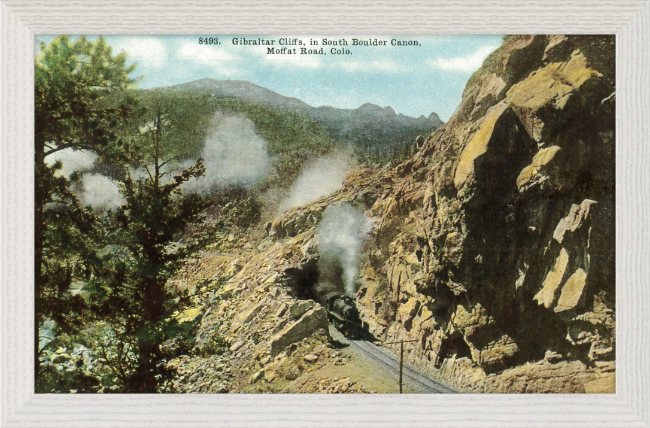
x: 433, y: 117
x: 374, y: 108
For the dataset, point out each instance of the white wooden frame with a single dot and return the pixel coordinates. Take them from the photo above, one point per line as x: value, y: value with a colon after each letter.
x: 628, y: 19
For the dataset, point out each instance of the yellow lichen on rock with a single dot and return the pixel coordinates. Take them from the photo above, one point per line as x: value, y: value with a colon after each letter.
x: 551, y: 83
x: 478, y: 145
x: 189, y: 314
x: 541, y: 159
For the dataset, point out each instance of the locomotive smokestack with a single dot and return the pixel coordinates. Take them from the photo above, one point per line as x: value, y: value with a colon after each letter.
x: 341, y: 234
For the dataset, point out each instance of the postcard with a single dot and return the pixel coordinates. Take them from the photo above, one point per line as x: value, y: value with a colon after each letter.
x: 318, y: 214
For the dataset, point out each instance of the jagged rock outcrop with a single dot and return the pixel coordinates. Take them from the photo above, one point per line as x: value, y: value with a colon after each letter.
x: 497, y: 245
x: 305, y: 326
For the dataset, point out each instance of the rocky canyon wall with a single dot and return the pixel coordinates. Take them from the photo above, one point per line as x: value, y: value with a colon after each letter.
x: 494, y: 248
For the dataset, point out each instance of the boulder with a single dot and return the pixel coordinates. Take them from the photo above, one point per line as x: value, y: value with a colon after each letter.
x: 478, y: 144
x: 311, y: 358
x: 299, y: 308
x: 496, y: 353
x: 247, y: 315
x: 257, y: 376
x: 547, y: 91
x: 312, y: 321
x: 190, y: 314
x: 281, y: 311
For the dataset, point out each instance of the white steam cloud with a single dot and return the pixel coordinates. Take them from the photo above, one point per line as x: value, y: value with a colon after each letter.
x: 71, y: 161
x: 100, y: 191
x: 319, y: 179
x: 341, y: 235
x: 96, y: 190
x: 233, y: 154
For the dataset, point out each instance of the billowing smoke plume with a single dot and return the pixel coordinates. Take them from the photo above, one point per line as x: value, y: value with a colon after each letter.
x: 319, y: 179
x: 341, y: 235
x: 100, y: 191
x: 72, y: 160
x: 96, y: 190
x: 233, y: 154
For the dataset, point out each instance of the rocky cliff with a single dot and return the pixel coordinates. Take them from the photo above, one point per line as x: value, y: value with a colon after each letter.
x: 496, y: 249
x: 491, y: 250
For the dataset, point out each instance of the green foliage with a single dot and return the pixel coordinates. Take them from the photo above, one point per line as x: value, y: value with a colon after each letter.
x: 63, y: 367
x: 72, y: 79
x: 182, y: 336
x: 122, y: 257
x: 294, y: 137
x: 53, y: 380
x: 72, y: 82
x: 131, y: 293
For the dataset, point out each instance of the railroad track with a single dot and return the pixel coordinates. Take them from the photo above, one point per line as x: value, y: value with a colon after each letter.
x: 413, y: 380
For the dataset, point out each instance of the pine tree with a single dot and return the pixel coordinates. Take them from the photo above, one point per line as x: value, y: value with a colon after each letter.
x: 134, y: 300
x: 73, y: 81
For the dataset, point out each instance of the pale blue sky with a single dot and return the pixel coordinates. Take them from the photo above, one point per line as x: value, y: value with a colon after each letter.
x: 413, y: 80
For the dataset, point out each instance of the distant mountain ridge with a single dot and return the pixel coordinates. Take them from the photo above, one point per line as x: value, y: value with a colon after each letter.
x: 344, y: 123
x: 242, y: 89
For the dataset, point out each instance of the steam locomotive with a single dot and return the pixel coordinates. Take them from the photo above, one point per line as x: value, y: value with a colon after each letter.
x: 343, y: 313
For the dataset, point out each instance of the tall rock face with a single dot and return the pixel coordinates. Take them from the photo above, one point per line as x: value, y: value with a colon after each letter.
x: 495, y: 247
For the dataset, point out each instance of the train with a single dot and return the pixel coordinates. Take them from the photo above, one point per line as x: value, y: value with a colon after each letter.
x: 344, y: 315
